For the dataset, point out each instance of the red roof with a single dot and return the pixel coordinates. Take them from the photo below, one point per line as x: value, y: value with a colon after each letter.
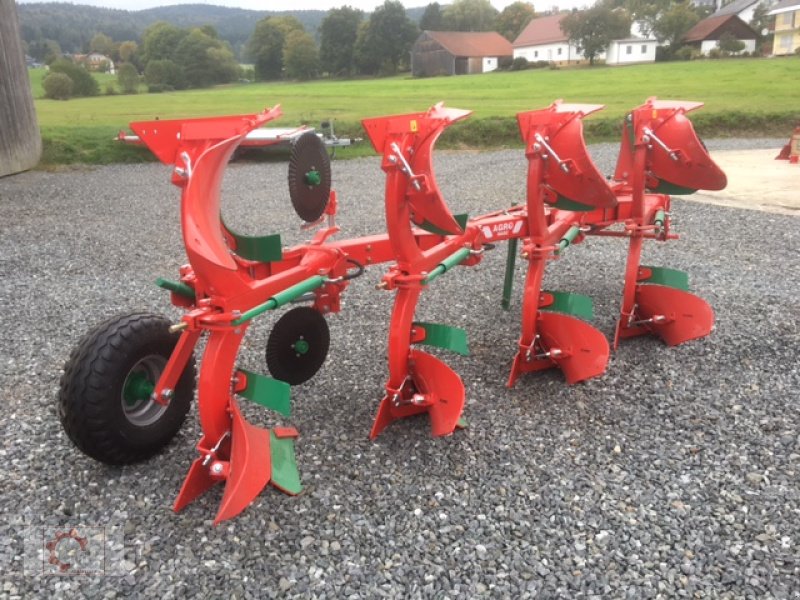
x: 712, y: 27
x: 473, y: 43
x: 544, y: 30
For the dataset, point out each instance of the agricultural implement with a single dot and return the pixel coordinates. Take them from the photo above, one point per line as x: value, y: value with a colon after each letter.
x: 128, y: 385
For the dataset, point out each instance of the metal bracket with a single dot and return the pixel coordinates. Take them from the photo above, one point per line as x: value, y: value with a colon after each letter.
x: 406, y: 168
x: 540, y: 139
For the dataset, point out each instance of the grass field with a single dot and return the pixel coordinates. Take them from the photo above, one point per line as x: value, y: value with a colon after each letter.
x: 741, y: 96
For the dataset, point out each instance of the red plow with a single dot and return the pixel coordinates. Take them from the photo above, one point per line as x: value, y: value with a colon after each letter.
x: 128, y: 385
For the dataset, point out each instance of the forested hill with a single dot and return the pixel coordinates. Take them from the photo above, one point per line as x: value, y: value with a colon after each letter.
x: 73, y: 26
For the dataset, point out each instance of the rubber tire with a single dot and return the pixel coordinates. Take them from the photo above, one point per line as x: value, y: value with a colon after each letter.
x: 90, y: 394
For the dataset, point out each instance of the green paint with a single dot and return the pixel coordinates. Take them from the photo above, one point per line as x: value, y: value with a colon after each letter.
x: 444, y: 336
x: 137, y: 387
x: 448, y: 263
x: 178, y: 287
x: 568, y: 303
x: 665, y: 187
x: 269, y: 393
x: 462, y: 423
x: 508, y: 280
x: 660, y: 218
x: 567, y: 238
x: 265, y: 248
x: 564, y: 203
x: 284, y: 465
x: 668, y: 277
x: 301, y: 347
x: 430, y: 227
x: 281, y: 298
x: 312, y: 178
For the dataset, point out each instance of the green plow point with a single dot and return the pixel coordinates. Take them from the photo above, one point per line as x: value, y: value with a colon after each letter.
x: 445, y: 337
x: 284, y: 466
x: 568, y: 303
x: 269, y: 393
x: 462, y: 423
x: 668, y: 277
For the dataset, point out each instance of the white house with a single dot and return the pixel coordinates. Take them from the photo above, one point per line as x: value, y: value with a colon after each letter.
x: 630, y: 51
x: 706, y: 34
x: 543, y: 39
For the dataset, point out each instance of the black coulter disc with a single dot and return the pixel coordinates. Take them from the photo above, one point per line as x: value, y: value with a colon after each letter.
x: 309, y: 177
x: 298, y: 345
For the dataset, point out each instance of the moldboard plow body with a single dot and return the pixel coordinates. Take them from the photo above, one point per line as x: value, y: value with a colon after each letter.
x: 145, y: 368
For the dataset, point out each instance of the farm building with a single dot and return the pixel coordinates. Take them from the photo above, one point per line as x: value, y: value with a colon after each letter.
x: 744, y: 9
x: 787, y: 27
x: 543, y: 39
x: 631, y: 51
x: 706, y: 34
x: 458, y: 52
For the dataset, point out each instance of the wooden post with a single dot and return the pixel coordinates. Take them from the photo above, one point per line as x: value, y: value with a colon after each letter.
x: 20, y: 141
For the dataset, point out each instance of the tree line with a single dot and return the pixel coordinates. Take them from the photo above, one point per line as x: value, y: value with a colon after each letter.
x: 349, y: 42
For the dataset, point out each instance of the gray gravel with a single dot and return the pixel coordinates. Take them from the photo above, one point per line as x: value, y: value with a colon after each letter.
x: 674, y: 474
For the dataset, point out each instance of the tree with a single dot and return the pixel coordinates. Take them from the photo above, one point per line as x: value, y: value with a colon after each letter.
x: 46, y: 51
x: 265, y: 49
x: 729, y: 44
x: 205, y: 60
x: 592, y: 30
x: 83, y: 84
x: 513, y: 19
x: 645, y: 13
x: 127, y: 50
x: 470, y: 15
x: 673, y: 24
x: 300, y: 56
x: 432, y: 19
x: 160, y: 41
x: 338, y: 33
x: 102, y: 44
x: 128, y: 78
x: 761, y: 25
x: 57, y: 86
x: 384, y: 42
x: 164, y: 73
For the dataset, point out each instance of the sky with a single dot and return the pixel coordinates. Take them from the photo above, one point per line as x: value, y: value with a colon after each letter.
x: 367, y: 5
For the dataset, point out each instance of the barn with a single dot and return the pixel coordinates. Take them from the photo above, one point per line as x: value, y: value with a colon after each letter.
x: 458, y: 52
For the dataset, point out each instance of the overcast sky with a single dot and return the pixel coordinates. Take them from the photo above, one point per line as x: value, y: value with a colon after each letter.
x: 366, y: 5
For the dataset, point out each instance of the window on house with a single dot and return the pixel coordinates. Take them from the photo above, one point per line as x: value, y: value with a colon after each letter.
x: 628, y: 49
x: 535, y: 54
x: 559, y: 51
x: 644, y: 48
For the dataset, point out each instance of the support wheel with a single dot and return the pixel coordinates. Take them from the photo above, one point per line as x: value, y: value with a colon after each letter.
x: 104, y: 399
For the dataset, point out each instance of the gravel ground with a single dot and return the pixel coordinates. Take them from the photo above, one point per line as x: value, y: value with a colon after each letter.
x: 674, y: 474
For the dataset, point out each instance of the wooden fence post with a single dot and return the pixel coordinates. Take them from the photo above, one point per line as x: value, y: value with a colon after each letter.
x: 20, y: 141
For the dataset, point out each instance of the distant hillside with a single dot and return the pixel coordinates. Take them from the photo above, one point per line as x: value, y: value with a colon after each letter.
x: 73, y: 26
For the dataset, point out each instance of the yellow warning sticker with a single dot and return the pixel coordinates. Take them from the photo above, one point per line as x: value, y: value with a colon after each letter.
x: 413, y: 125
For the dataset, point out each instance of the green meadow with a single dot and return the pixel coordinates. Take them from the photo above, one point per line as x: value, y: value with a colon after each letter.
x: 741, y: 96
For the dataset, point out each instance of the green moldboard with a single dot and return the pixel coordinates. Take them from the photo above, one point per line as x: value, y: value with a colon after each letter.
x: 568, y: 303
x: 669, y: 277
x: 284, y: 465
x: 444, y: 336
x: 665, y: 187
x: 269, y: 393
x: 564, y: 203
x: 460, y: 219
